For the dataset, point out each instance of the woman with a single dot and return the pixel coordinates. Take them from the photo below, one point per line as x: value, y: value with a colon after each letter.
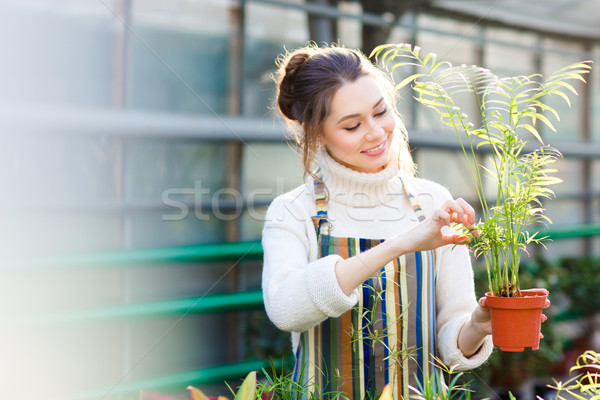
x: 359, y: 263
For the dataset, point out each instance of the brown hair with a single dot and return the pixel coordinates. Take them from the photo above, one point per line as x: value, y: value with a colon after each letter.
x: 307, y: 79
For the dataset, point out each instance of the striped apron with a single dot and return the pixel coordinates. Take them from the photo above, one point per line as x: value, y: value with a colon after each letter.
x: 388, y: 337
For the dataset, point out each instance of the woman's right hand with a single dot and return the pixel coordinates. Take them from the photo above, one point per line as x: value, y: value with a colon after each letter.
x: 428, y: 235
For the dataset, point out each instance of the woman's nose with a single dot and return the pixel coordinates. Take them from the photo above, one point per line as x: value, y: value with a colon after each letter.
x: 375, y: 131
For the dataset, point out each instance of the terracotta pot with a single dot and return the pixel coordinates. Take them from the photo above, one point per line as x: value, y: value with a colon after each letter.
x: 516, y: 321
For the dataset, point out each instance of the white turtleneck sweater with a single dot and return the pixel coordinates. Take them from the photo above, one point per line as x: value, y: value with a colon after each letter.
x: 300, y: 290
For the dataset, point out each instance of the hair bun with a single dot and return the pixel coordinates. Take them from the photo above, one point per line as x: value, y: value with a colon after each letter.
x: 289, y: 71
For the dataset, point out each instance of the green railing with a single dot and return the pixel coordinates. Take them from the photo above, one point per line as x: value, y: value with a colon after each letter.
x: 216, y: 303
x: 573, y: 232
x: 205, y: 376
x: 215, y: 252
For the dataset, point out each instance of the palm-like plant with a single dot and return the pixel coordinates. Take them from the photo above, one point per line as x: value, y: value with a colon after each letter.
x: 508, y: 110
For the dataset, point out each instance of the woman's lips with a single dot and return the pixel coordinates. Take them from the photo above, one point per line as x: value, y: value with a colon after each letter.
x: 377, y: 150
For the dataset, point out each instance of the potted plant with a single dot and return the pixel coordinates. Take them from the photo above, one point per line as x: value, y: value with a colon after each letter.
x: 509, y: 112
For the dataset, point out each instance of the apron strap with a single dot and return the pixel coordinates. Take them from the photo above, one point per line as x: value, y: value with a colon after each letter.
x: 322, y: 224
x: 413, y: 202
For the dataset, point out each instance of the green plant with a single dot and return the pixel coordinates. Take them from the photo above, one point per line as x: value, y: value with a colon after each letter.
x: 247, y: 390
x: 586, y: 384
x: 435, y: 387
x: 508, y: 109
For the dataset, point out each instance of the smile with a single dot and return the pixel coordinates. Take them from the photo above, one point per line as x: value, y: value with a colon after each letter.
x: 374, y: 149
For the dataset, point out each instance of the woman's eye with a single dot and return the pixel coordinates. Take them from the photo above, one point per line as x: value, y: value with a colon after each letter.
x: 352, y: 128
x: 379, y: 114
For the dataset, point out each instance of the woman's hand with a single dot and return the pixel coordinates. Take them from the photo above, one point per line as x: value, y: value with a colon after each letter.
x: 480, y: 318
x: 474, y: 332
x: 428, y: 234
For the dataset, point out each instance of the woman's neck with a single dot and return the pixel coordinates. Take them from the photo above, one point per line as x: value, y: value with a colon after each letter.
x: 360, y: 189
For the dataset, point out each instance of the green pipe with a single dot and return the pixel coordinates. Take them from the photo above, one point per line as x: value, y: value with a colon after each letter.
x: 199, y: 253
x: 568, y: 315
x: 232, y: 373
x: 217, y: 252
x: 217, y: 303
x: 572, y: 232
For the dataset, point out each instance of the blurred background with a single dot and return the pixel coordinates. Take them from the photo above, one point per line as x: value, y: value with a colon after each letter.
x: 139, y: 150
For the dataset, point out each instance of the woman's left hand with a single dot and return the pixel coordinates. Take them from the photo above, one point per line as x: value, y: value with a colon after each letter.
x: 480, y: 318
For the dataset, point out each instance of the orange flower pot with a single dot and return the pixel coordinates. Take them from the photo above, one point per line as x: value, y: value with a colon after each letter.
x: 516, y: 321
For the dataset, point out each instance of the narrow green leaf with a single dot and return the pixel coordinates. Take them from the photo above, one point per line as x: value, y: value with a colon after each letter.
x: 248, y: 388
x: 533, y: 131
x: 546, y: 121
x: 404, y: 64
x: 406, y: 81
x: 566, y: 85
x: 561, y: 94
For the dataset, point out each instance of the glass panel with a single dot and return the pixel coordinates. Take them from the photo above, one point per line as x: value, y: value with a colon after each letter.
x: 51, y: 170
x: 276, y: 24
x: 594, y: 80
x: 269, y: 32
x: 350, y: 30
x: 173, y: 176
x: 449, y: 170
x: 262, y: 183
x: 562, y: 248
x: 56, y: 53
x: 261, y: 180
x: 179, y: 56
x: 595, y: 180
x: 564, y: 213
x: 457, y: 50
x: 569, y: 126
x: 179, y: 227
x: 569, y: 170
x: 506, y: 60
x: 156, y: 168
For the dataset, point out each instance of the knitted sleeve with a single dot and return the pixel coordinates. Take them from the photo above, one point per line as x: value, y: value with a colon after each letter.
x: 299, y: 290
x: 455, y: 299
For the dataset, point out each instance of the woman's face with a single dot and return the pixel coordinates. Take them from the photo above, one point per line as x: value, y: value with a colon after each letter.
x: 359, y: 130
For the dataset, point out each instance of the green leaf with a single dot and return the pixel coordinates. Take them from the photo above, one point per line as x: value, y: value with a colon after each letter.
x: 566, y: 85
x: 248, y: 388
x: 407, y: 80
x: 561, y: 94
x: 546, y: 121
x: 533, y: 131
x: 196, y: 393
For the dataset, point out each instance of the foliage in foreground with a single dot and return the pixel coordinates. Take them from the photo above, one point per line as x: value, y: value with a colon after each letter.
x: 585, y: 385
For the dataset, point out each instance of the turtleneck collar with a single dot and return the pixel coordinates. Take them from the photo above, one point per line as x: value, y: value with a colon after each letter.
x: 360, y: 189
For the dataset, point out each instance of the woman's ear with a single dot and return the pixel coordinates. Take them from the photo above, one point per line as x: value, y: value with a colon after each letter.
x: 321, y: 139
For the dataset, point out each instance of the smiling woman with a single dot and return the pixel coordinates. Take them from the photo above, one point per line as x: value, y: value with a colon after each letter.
x: 357, y: 263
x: 360, y: 139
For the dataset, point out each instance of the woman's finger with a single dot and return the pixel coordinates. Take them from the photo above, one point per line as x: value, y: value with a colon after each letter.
x: 441, y: 215
x: 469, y: 216
x: 483, y: 302
x: 455, y: 238
x: 468, y: 210
x: 456, y: 211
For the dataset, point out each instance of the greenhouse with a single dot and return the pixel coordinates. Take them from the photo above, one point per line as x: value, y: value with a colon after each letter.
x: 141, y: 147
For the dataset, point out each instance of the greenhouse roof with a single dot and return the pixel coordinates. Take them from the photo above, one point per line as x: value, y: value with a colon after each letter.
x: 579, y: 18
